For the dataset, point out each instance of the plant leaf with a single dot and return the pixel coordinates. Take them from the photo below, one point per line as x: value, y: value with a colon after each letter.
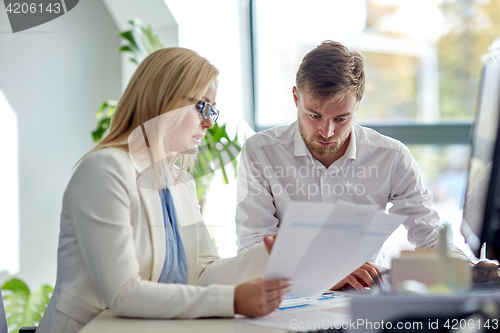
x: 211, y: 156
x: 104, y: 105
x: 23, y: 308
x: 129, y: 36
x: 102, y: 127
x: 110, y: 105
x: 152, y: 39
x: 111, y: 110
x: 125, y: 48
x: 16, y: 285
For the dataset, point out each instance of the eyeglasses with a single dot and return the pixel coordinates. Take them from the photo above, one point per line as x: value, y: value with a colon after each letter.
x: 206, y: 110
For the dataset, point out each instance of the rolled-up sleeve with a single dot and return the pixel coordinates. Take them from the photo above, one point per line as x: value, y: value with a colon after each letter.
x: 409, y: 197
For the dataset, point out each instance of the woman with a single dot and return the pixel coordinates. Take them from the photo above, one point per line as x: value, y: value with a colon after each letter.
x: 132, y: 237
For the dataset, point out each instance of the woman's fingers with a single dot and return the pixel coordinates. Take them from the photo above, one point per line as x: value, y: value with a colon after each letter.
x: 277, y: 294
x: 269, y: 242
x: 273, y: 305
x: 276, y: 289
x: 277, y: 284
x: 258, y: 297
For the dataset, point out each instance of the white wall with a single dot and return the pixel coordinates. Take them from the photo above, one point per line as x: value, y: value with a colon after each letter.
x: 212, y: 28
x: 54, y: 76
x: 217, y: 33
x: 9, y: 196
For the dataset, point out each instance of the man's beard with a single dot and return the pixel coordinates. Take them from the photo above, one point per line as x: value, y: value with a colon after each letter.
x: 319, y: 150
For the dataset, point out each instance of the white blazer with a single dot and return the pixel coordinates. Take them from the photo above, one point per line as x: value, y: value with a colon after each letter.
x: 112, y: 248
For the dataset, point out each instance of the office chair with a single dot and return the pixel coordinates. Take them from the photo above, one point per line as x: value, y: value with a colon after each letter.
x: 3, y: 321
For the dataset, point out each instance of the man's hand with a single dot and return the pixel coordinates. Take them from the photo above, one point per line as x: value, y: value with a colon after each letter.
x: 485, y: 271
x: 365, y: 276
x: 258, y: 298
x: 269, y: 242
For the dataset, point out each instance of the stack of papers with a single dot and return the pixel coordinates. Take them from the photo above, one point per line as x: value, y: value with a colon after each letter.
x: 319, y: 244
x: 329, y: 300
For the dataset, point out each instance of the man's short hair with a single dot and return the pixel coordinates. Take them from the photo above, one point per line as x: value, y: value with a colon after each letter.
x: 330, y: 71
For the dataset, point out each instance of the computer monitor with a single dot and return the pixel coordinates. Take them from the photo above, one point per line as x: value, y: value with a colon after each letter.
x: 481, y: 223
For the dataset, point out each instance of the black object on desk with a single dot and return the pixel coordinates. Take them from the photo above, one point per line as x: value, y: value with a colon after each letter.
x: 482, y: 201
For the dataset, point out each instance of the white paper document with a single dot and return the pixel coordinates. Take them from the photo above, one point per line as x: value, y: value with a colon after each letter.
x: 329, y: 300
x: 319, y: 244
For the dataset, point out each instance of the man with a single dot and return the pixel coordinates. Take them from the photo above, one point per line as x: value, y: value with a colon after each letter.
x: 325, y: 157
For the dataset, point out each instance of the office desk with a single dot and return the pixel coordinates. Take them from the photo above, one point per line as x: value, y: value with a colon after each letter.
x: 370, y: 309
x: 106, y: 322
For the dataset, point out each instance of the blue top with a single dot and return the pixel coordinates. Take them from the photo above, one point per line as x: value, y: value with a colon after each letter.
x: 175, y: 266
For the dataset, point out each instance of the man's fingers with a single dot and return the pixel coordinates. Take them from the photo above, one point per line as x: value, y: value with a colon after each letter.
x: 367, y: 274
x: 378, y: 279
x: 355, y: 283
x: 374, y: 267
x: 364, y: 276
x: 374, y: 274
x: 339, y: 285
x: 374, y: 271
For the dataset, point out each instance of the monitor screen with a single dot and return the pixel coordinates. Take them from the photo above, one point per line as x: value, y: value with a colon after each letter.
x: 482, y: 201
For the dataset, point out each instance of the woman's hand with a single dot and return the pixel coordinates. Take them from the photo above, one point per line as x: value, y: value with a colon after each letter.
x: 257, y: 298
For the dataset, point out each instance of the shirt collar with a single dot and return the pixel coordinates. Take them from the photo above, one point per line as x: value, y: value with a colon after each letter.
x: 350, y: 153
x: 300, y: 148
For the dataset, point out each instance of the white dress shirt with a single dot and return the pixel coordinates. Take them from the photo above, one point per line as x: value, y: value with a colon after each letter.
x: 277, y: 168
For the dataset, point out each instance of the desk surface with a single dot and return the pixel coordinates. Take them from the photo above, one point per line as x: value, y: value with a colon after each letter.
x: 109, y: 323
x: 371, y: 309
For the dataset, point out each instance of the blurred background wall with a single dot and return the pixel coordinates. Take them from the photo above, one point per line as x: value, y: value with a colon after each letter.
x: 54, y: 77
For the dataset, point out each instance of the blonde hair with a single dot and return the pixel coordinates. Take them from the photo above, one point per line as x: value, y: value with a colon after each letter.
x: 166, y: 80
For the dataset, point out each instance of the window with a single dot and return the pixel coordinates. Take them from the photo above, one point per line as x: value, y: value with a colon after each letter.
x: 422, y: 56
x: 9, y: 196
x: 422, y: 62
x: 423, y: 67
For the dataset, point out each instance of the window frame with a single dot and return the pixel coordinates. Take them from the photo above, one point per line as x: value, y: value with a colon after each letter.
x: 409, y: 133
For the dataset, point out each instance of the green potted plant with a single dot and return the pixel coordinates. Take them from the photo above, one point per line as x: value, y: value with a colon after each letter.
x: 23, y: 307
